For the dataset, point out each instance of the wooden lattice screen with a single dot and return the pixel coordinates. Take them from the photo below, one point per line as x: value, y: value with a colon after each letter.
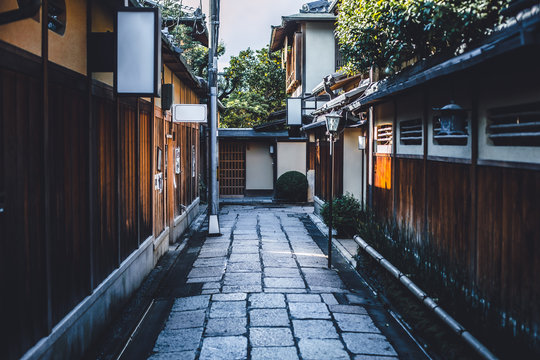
x: 232, y: 169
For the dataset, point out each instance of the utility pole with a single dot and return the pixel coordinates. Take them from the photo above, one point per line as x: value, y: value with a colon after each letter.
x: 213, y: 199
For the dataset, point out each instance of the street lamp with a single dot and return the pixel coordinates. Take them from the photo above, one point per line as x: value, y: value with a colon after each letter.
x: 332, y: 124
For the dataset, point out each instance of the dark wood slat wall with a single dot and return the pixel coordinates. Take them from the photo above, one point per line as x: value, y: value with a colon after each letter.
x: 128, y: 180
x: 70, y: 250
x: 77, y: 264
x: 323, y: 165
x: 410, y: 201
x: 434, y: 199
x: 106, y: 249
x: 22, y: 256
x: 146, y: 184
x: 508, y: 233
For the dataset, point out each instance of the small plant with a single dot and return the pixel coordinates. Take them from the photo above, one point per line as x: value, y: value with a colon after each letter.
x: 346, y: 214
x: 292, y: 186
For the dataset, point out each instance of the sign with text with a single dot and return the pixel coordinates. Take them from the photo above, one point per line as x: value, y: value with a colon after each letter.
x: 196, y: 113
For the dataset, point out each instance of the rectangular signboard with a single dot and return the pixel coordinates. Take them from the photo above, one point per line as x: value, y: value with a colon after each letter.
x: 189, y: 113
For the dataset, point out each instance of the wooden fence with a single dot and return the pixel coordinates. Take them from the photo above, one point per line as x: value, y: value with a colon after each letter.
x: 77, y: 190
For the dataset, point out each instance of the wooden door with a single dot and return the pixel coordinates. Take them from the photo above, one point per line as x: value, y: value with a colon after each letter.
x: 232, y: 169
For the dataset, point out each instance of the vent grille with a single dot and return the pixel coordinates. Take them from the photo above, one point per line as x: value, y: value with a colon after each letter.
x: 410, y: 132
x: 515, y: 125
x: 383, y: 140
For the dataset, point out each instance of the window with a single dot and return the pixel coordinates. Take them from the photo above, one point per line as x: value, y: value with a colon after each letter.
x: 515, y: 125
x: 57, y: 16
x: 410, y: 132
x: 440, y: 138
x: 383, y: 139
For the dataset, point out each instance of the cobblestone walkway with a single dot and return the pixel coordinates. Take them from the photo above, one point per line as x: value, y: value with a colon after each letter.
x: 267, y: 294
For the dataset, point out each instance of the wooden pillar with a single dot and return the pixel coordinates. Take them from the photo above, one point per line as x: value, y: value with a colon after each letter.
x: 91, y: 147
x: 138, y: 169
x: 473, y: 231
x: 425, y: 120
x: 46, y: 159
x: 117, y: 179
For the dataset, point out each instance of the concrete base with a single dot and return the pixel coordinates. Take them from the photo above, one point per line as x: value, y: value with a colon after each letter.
x: 213, y: 225
x: 317, y: 205
x: 181, y: 223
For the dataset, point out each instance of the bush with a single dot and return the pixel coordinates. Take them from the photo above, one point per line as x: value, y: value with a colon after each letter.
x: 292, y: 186
x: 346, y: 213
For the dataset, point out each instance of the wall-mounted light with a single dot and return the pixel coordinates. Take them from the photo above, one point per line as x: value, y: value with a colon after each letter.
x: 272, y: 149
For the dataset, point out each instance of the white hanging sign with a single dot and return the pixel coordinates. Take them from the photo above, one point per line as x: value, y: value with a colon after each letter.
x: 196, y: 113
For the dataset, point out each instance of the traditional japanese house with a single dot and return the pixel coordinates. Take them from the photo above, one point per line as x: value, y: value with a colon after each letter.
x: 93, y: 186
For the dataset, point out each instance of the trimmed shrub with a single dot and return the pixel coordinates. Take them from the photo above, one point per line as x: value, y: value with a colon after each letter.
x: 346, y: 213
x: 292, y: 186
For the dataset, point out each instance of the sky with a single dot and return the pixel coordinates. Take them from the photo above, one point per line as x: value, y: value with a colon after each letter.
x: 246, y: 23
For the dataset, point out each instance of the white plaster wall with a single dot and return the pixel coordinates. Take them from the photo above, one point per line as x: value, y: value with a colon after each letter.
x: 259, y: 174
x: 409, y: 107
x: 523, y: 92
x: 320, y: 53
x: 352, y: 163
x: 291, y: 156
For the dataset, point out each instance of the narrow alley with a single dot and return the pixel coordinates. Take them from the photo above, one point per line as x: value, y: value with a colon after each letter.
x: 262, y: 290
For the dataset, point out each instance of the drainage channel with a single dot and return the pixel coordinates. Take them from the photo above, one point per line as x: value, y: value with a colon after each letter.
x: 405, y: 343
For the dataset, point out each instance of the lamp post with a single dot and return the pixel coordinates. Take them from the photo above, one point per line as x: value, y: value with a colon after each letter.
x: 332, y: 123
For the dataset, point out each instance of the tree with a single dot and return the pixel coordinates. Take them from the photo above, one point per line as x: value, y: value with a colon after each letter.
x: 252, y: 88
x: 194, y: 52
x: 388, y: 33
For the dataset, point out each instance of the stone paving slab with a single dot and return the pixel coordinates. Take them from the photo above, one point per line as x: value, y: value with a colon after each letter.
x: 269, y: 296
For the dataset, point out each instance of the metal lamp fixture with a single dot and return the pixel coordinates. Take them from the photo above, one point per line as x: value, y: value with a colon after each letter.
x: 452, y: 119
x: 332, y: 122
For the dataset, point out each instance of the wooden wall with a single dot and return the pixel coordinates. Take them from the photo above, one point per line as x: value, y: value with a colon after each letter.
x: 481, y: 219
x: 322, y: 165
x: 68, y: 223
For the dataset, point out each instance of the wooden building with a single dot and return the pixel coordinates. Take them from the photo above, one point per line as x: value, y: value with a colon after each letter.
x: 93, y: 186
x: 471, y: 194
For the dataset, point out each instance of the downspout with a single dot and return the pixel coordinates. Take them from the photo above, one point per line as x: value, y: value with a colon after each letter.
x: 427, y: 301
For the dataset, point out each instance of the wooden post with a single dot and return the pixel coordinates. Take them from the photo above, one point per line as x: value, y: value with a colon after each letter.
x: 473, y: 233
x: 91, y: 142
x: 138, y: 169
x: 46, y: 160
x: 425, y: 143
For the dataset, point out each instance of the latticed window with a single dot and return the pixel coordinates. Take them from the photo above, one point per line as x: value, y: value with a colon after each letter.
x: 410, y: 132
x: 515, y: 125
x: 383, y: 140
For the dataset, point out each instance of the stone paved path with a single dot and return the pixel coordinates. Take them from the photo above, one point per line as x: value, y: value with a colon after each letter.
x: 267, y: 294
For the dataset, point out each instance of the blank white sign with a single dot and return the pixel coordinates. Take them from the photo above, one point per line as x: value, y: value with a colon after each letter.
x: 294, y: 111
x: 136, y: 52
x: 189, y: 113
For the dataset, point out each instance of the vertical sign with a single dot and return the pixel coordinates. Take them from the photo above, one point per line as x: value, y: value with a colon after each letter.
x: 138, y: 52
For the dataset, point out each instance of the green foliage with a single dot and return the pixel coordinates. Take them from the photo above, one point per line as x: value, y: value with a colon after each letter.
x: 388, y: 33
x: 292, y: 186
x: 252, y: 88
x: 194, y: 52
x: 346, y: 213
